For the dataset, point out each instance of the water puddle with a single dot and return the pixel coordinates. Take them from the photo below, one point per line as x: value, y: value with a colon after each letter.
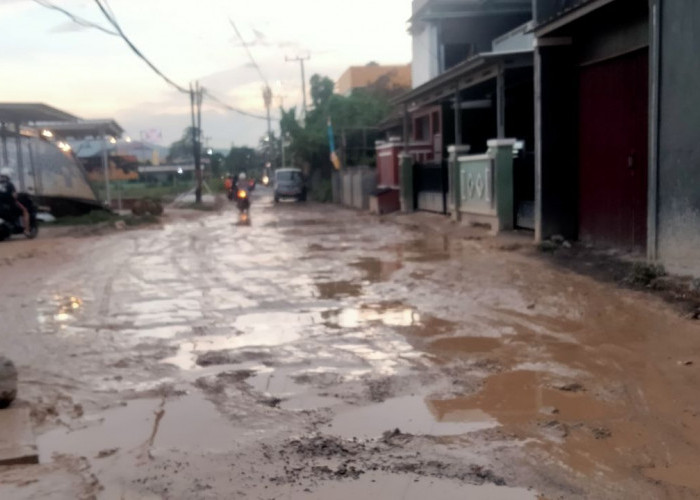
x: 190, y: 422
x: 338, y: 289
x: 518, y: 396
x: 159, y: 332
x: 61, y: 309
x: 295, y: 397
x: 410, y: 414
x: 430, y: 249
x: 260, y: 330
x: 410, y: 487
x: 275, y: 328
x: 465, y: 344
x: 388, y: 315
x: 377, y: 270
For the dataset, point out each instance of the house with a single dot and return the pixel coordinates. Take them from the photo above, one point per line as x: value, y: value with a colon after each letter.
x: 389, y: 77
x: 617, y: 120
x: 473, y: 82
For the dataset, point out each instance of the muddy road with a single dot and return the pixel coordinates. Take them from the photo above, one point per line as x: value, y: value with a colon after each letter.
x: 314, y: 352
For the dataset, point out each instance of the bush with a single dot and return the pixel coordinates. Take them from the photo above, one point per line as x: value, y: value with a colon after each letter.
x: 148, y: 206
x: 322, y: 192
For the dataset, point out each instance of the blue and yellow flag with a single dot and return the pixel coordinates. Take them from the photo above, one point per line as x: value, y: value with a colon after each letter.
x: 331, y: 143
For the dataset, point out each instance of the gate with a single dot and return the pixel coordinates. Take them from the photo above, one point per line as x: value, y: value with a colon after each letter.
x: 430, y: 186
x: 613, y: 148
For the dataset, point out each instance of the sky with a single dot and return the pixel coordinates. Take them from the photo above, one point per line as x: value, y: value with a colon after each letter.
x: 46, y: 57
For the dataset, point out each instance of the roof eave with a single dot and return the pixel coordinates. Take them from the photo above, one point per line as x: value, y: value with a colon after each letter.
x: 452, y: 76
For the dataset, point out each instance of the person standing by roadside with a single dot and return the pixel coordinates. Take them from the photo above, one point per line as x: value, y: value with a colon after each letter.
x: 9, y: 205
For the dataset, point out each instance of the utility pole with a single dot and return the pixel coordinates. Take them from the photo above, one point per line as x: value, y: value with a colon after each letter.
x: 196, y: 101
x: 282, y: 136
x: 267, y: 99
x: 303, y: 77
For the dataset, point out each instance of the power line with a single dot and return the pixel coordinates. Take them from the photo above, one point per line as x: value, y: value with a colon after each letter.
x: 77, y: 20
x: 231, y: 108
x: 109, y: 15
x: 250, y: 54
x: 114, y: 23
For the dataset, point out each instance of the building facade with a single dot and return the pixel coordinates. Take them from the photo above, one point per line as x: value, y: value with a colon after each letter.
x: 618, y: 162
x: 389, y: 77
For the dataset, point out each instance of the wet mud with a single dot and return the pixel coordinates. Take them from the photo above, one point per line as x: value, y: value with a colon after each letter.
x: 314, y: 352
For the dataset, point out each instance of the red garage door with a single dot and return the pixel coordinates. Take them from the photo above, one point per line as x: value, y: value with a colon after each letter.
x: 613, y: 152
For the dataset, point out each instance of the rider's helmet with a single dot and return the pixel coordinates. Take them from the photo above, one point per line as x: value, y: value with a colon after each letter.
x: 241, y: 176
x: 6, y: 172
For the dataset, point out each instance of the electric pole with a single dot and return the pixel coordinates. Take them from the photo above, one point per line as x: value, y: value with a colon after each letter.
x: 303, y: 77
x: 196, y: 102
x: 267, y: 99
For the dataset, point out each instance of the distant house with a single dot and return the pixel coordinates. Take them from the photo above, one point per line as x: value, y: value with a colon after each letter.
x: 472, y: 82
x: 387, y: 77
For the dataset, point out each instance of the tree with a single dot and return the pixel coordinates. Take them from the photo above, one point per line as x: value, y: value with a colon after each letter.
x: 183, y: 149
x: 354, y: 118
x: 241, y: 159
x: 321, y: 90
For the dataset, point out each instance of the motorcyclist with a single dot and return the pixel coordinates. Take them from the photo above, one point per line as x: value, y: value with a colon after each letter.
x: 9, y: 206
x: 242, y: 192
x: 242, y: 183
x: 228, y: 183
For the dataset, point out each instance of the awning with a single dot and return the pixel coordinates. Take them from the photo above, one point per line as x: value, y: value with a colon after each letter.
x: 464, y: 75
x: 82, y: 129
x: 433, y: 10
x: 573, y: 10
x: 23, y: 113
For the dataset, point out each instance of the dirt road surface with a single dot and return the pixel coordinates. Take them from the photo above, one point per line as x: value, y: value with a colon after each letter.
x: 315, y: 352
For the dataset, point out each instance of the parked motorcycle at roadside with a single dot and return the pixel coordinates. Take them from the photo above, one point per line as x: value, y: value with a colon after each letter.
x: 11, y: 223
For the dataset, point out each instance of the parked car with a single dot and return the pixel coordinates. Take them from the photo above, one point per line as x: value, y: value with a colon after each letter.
x: 289, y: 183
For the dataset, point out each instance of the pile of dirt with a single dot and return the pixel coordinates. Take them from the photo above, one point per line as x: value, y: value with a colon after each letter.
x: 322, y: 457
x: 626, y: 270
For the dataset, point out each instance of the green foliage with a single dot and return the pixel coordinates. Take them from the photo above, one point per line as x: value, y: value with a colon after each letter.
x: 241, y: 159
x: 105, y: 218
x: 183, y: 148
x: 323, y: 192
x: 218, y: 162
x: 355, y: 117
x: 132, y: 190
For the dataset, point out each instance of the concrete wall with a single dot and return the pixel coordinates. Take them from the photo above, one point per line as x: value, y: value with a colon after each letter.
x: 425, y: 63
x: 612, y: 32
x: 352, y: 187
x: 521, y: 38
x: 679, y: 137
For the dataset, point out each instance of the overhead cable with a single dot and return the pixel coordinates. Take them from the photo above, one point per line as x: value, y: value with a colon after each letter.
x: 231, y: 108
x: 114, y: 23
x: 250, y: 54
x: 77, y: 20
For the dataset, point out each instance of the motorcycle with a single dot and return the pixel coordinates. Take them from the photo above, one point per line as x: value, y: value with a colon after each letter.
x: 11, y: 224
x: 242, y: 200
